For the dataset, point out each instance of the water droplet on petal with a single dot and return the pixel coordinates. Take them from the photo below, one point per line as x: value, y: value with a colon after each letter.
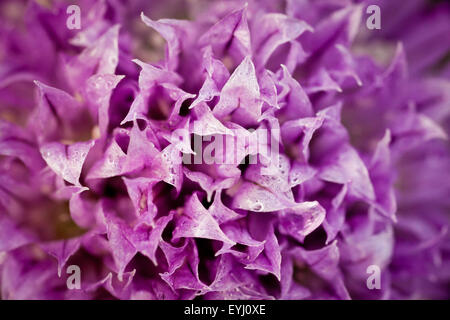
x: 257, y: 206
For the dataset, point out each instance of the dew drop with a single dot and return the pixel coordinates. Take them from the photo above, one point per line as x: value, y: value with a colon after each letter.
x: 257, y: 206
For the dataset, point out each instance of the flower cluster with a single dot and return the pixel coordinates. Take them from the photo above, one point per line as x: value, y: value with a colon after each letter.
x: 92, y: 174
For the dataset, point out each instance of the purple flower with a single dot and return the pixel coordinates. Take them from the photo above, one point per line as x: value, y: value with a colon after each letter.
x: 224, y: 150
